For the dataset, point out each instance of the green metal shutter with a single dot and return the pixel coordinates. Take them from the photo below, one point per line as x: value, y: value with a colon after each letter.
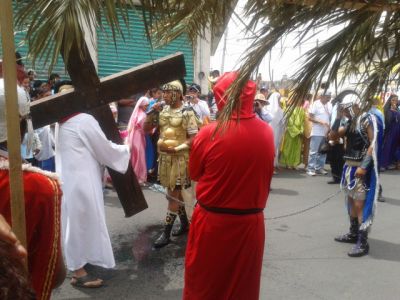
x: 135, y: 49
x: 41, y: 67
x: 131, y: 52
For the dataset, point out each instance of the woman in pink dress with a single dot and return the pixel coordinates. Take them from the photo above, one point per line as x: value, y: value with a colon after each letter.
x: 136, y: 139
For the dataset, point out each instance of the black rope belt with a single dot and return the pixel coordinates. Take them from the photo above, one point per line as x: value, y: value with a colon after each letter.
x: 231, y: 211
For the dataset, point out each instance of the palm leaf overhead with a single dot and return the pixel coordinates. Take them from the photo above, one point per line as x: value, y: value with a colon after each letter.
x: 54, y: 26
x: 366, y: 45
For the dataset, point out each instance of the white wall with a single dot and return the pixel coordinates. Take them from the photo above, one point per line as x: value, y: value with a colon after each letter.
x: 201, y: 58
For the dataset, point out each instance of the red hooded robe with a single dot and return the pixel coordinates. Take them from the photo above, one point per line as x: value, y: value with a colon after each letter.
x: 234, y: 170
x: 42, y: 196
x: 42, y: 209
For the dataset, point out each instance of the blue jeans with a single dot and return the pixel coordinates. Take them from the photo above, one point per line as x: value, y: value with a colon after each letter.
x: 316, y: 160
x: 48, y: 164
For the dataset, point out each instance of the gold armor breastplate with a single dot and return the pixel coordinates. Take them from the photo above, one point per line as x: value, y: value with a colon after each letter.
x: 172, y: 129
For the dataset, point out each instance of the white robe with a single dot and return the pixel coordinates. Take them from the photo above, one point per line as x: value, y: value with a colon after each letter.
x: 82, y: 149
x: 277, y: 122
x: 47, y: 140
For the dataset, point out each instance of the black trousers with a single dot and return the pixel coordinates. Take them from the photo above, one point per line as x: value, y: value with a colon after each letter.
x: 336, y: 161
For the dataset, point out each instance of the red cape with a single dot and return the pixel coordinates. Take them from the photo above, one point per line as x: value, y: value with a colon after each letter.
x: 42, y: 210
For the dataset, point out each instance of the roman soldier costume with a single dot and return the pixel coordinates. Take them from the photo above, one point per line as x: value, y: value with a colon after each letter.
x: 364, y: 188
x: 176, y: 124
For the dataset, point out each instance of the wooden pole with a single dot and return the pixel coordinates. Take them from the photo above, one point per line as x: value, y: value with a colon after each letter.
x: 12, y: 115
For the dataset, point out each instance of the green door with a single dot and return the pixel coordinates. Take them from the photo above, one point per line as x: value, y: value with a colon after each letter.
x: 130, y: 52
x: 135, y: 49
x: 41, y: 66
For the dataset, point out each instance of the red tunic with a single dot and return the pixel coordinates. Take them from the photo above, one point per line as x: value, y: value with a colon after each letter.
x: 42, y: 209
x: 233, y: 170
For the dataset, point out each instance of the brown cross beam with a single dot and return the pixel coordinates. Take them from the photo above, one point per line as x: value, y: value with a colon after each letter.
x: 92, y: 95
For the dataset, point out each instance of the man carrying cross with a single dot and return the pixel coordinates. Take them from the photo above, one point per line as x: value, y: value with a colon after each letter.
x: 91, y: 94
x: 83, y: 146
x: 86, y: 243
x: 57, y: 107
x: 82, y: 149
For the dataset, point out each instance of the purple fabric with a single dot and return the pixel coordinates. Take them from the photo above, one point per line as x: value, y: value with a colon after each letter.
x: 391, y: 144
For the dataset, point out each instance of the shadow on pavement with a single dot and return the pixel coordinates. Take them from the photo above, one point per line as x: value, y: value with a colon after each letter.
x: 141, y: 250
x: 391, y: 201
x: 111, y: 198
x: 391, y: 172
x: 285, y: 192
x: 151, y: 273
x: 290, y: 174
x: 384, y: 250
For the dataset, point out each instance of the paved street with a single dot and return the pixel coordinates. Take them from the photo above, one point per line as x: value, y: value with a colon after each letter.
x: 301, y: 260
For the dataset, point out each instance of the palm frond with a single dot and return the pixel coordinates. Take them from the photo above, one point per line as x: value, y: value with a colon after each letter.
x: 54, y: 26
x: 365, y: 47
x: 166, y: 20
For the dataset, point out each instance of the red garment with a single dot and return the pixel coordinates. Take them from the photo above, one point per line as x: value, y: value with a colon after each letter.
x: 246, y: 97
x: 233, y: 170
x: 42, y: 210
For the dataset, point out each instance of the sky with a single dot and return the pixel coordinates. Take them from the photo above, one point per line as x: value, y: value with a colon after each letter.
x: 283, y: 59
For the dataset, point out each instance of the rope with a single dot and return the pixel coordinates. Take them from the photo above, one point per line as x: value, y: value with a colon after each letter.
x: 306, y: 209
x: 159, y: 189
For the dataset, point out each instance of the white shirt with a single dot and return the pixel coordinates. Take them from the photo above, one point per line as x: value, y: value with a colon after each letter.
x: 36, y: 145
x: 47, y: 140
x: 323, y: 113
x: 213, y: 110
x: 201, y: 109
x: 265, y: 115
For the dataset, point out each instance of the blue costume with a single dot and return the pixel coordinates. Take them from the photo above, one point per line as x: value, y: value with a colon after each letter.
x: 357, y: 144
x: 150, y: 147
x: 365, y: 188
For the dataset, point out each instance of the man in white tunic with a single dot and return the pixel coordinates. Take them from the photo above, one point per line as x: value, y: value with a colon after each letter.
x: 277, y: 123
x: 82, y: 149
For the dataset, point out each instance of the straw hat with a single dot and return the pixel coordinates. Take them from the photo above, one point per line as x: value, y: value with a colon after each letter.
x: 260, y: 97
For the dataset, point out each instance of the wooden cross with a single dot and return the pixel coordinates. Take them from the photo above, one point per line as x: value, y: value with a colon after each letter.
x: 92, y: 95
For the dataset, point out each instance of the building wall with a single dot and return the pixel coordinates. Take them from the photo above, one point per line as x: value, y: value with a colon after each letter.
x: 130, y: 51
x: 202, y: 62
x: 134, y: 49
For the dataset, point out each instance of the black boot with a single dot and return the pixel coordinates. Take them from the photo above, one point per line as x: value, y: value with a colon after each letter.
x: 362, y: 247
x: 164, y: 238
x: 184, y: 226
x: 352, y: 235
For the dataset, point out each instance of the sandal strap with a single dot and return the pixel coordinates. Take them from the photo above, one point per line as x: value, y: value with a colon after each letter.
x: 84, y: 280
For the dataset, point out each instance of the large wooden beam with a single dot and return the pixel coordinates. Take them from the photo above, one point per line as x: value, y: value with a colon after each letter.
x: 13, y: 127
x: 46, y: 111
x: 375, y: 6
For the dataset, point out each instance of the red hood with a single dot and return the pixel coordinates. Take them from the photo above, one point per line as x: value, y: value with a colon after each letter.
x: 246, y: 97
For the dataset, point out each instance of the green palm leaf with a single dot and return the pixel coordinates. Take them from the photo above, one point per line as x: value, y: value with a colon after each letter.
x: 365, y: 47
x: 54, y: 26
